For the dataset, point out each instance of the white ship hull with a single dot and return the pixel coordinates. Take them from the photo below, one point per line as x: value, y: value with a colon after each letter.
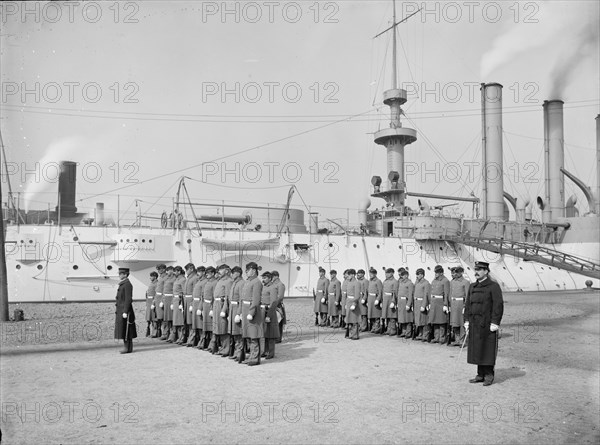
x: 80, y: 263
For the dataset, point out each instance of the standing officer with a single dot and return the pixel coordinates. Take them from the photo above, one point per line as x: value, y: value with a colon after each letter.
x: 406, y: 290
x: 177, y: 305
x: 374, y: 300
x: 459, y: 287
x: 363, y: 300
x: 438, y: 310
x: 235, y: 313
x: 321, y: 299
x: 220, y: 309
x: 388, y: 309
x: 159, y: 305
x: 188, y: 301
x: 252, y: 317
x: 207, y: 313
x: 353, y: 306
x: 334, y: 296
x: 269, y: 302
x: 422, y: 292
x: 124, y: 315
x: 483, y: 313
x: 280, y: 307
x: 344, y: 290
x: 150, y: 307
x: 197, y: 292
x: 168, y: 302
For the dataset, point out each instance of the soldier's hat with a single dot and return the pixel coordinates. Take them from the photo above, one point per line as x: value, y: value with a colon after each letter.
x: 389, y: 270
x: 274, y: 273
x: 161, y: 266
x: 223, y: 266
x: 235, y: 269
x: 403, y: 272
x: 178, y: 269
x: 459, y: 269
x: 153, y: 274
x: 321, y: 270
x: 420, y: 271
x: 252, y: 265
x: 351, y: 272
x: 267, y: 274
x: 124, y: 270
x: 201, y: 269
x: 169, y: 267
x: 482, y: 265
x: 189, y: 266
x: 373, y: 270
x: 360, y: 271
x: 438, y: 269
x: 210, y: 269
x: 333, y: 272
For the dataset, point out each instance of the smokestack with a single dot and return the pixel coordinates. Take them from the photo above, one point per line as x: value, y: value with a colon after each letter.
x: 598, y: 165
x: 493, y: 183
x: 554, y: 155
x: 313, y: 222
x: 99, y: 214
x: 66, y: 188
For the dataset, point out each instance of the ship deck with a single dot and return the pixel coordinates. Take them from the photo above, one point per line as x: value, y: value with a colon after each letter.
x: 63, y: 381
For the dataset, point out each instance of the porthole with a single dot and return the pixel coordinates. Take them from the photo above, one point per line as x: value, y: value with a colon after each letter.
x: 40, y: 267
x: 75, y: 238
x: 354, y: 245
x: 18, y: 266
x: 330, y: 244
x: 378, y: 246
x: 189, y: 241
x: 75, y: 267
x: 298, y: 267
x: 109, y: 267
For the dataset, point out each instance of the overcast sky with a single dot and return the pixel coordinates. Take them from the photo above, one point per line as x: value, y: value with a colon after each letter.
x: 281, y: 93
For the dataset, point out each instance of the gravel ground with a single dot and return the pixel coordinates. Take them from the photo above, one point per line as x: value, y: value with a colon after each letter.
x: 64, y: 382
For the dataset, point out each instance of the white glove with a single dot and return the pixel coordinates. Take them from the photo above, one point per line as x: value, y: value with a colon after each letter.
x: 249, y: 317
x: 191, y: 309
x: 363, y: 301
x: 338, y: 303
x: 466, y: 325
x: 171, y: 307
x: 210, y: 313
x: 494, y: 327
x: 161, y: 304
x: 392, y: 305
x: 422, y: 309
x: 323, y: 300
x: 408, y: 308
x: 151, y: 306
x: 180, y: 307
x: 463, y: 310
x: 445, y: 309
x: 376, y: 302
x: 352, y: 307
x: 428, y: 306
x: 199, y: 312
x: 124, y: 315
x: 238, y: 319
x: 222, y: 314
x: 267, y: 319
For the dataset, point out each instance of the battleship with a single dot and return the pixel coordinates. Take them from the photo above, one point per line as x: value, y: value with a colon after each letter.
x: 60, y: 254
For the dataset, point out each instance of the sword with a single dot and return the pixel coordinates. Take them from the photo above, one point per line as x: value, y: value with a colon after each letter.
x: 461, y: 348
x: 127, y: 327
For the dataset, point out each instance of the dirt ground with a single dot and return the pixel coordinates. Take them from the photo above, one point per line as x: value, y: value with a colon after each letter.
x: 63, y: 381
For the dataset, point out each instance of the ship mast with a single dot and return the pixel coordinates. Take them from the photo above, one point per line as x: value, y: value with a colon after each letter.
x: 396, y: 137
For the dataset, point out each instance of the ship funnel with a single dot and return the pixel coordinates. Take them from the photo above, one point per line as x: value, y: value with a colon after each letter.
x: 66, y: 188
x: 493, y: 181
x: 554, y: 159
x: 598, y: 164
x: 99, y: 218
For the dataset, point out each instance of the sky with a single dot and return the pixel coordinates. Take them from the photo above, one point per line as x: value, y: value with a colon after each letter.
x: 248, y: 98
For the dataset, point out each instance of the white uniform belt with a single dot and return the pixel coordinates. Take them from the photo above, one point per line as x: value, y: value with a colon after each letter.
x: 150, y: 297
x: 372, y: 294
x: 234, y: 302
x: 437, y: 296
x: 196, y: 298
x: 403, y: 298
x: 320, y: 291
x: 351, y: 296
x: 188, y: 295
x: 331, y: 293
x: 168, y: 295
x: 458, y: 299
x: 207, y: 301
x: 388, y: 293
x: 418, y: 299
x: 246, y: 302
x: 159, y: 293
